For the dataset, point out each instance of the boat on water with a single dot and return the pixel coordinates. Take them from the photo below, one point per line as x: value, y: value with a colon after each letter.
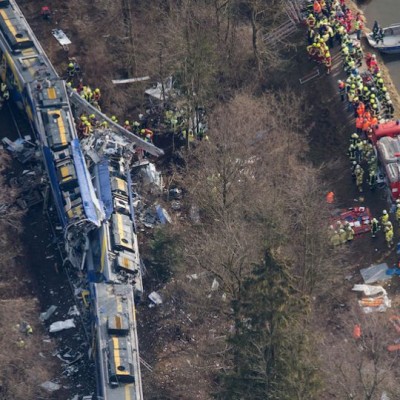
x: 386, y: 40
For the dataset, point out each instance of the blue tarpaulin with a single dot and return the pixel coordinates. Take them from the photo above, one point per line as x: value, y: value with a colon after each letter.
x: 103, y: 175
x: 89, y: 199
x: 51, y: 170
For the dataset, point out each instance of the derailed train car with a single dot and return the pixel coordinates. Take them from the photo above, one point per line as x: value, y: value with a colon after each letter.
x: 116, y: 342
x: 35, y: 87
x: 113, y: 255
x: 107, y: 222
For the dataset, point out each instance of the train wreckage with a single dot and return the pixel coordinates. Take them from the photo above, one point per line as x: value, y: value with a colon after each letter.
x: 91, y: 187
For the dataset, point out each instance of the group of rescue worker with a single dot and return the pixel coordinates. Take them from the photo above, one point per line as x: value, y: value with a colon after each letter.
x: 173, y: 120
x: 87, y: 123
x: 330, y: 21
x: 385, y: 225
x: 366, y: 96
x: 341, y: 233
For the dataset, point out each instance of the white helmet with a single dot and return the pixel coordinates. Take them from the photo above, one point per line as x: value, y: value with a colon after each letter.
x: 384, y: 212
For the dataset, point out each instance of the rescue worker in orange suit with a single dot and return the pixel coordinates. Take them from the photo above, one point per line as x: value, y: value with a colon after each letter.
x: 359, y: 124
x: 317, y: 7
x: 360, y: 109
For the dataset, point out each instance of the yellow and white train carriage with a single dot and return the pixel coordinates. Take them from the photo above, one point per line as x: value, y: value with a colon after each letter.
x: 35, y: 87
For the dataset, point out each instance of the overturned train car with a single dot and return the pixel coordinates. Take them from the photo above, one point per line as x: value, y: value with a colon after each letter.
x: 106, y: 223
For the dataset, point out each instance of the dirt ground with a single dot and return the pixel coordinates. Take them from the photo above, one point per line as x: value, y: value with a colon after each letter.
x: 31, y: 281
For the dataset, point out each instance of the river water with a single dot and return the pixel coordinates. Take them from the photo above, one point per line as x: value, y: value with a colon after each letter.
x: 386, y: 12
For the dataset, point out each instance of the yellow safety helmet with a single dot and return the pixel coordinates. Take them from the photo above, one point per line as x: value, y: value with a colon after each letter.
x: 113, y: 118
x: 97, y: 90
x: 142, y: 131
x: 126, y: 122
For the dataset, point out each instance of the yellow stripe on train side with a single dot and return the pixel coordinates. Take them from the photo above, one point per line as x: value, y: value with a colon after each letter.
x: 103, y: 252
x: 11, y: 64
x: 12, y: 29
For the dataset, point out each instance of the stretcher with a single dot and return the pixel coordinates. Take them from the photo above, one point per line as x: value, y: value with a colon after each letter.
x: 62, y: 38
x: 359, y: 219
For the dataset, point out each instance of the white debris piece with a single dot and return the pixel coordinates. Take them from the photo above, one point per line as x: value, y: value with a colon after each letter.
x: 194, y: 214
x: 163, y: 215
x: 151, y: 175
x: 50, y: 386
x: 155, y: 298
x: 375, y: 273
x: 73, y: 311
x: 61, y: 325
x: 379, y: 303
x: 214, y: 285
x: 44, y: 316
x: 369, y: 290
x: 61, y: 37
x: 140, y: 79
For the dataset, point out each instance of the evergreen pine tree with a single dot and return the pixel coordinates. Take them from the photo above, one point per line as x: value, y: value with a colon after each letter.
x: 270, y: 352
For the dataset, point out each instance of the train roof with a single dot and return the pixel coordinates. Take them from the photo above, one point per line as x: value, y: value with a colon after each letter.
x: 115, y: 252
x: 117, y: 342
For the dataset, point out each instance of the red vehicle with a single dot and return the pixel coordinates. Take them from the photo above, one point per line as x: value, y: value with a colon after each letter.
x: 358, y: 217
x: 386, y: 138
x: 391, y: 128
